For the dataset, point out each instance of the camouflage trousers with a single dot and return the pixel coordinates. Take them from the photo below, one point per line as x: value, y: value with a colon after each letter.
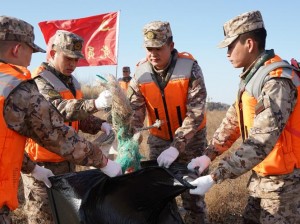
x: 5, y: 216
x: 194, y: 205
x: 274, y: 199
x: 37, y: 205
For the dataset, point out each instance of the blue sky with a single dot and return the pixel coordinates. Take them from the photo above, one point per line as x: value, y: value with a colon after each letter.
x: 196, y: 26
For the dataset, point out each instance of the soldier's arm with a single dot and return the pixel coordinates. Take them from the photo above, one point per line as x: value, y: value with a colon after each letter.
x: 279, y: 97
x: 27, y: 165
x: 30, y: 114
x: 71, y: 109
x: 226, y: 134
x: 137, y: 102
x: 195, y: 109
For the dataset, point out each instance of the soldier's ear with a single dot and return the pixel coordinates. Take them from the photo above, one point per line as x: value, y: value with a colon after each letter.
x: 52, y: 53
x: 15, y: 49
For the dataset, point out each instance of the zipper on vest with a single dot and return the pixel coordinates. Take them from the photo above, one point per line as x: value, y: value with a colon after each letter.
x: 240, y: 105
x: 167, y: 115
x: 179, y: 116
x: 246, y: 132
x: 242, y: 121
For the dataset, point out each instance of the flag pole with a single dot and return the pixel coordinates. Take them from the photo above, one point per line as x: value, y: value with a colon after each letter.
x: 117, y: 47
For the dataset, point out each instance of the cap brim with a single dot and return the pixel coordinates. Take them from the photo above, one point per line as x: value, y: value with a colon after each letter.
x: 36, y: 48
x: 227, y: 41
x: 153, y: 44
x: 73, y: 54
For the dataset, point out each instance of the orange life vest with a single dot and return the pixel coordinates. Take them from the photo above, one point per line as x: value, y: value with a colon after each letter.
x: 285, y: 155
x: 11, y: 143
x: 169, y: 104
x: 124, y: 85
x: 35, y: 151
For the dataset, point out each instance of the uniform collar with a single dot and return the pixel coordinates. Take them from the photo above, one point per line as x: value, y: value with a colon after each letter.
x: 258, y: 62
x: 61, y: 76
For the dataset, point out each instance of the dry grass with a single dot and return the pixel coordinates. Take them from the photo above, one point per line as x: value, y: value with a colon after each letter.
x: 225, y: 201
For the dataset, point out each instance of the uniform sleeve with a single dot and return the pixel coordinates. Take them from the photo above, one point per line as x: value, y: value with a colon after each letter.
x: 137, y: 103
x: 28, y: 113
x: 196, y: 100
x: 278, y: 98
x: 226, y: 134
x: 27, y: 165
x: 72, y: 109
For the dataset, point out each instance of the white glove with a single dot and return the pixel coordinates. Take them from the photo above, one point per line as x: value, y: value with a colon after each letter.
x: 167, y: 157
x: 112, y: 169
x: 105, y: 127
x: 42, y: 174
x: 203, y: 184
x: 202, y: 162
x: 104, y: 100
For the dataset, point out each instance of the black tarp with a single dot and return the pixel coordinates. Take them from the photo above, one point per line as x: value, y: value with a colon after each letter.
x: 145, y: 196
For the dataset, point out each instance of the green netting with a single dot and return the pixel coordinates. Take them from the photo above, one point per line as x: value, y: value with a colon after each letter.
x: 128, y: 156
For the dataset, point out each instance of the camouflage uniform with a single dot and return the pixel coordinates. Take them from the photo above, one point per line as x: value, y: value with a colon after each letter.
x: 36, y: 198
x: 4, y: 215
x: 273, y: 198
x: 29, y: 114
x: 187, y: 139
x: 34, y: 108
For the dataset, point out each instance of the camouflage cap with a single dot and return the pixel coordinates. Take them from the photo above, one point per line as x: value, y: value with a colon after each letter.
x: 126, y: 69
x: 69, y: 43
x: 241, y: 24
x: 14, y: 29
x: 156, y: 33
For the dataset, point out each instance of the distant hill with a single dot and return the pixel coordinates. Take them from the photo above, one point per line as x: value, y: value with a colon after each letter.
x: 216, y: 106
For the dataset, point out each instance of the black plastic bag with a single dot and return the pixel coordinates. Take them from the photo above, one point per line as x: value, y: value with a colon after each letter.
x: 142, y: 197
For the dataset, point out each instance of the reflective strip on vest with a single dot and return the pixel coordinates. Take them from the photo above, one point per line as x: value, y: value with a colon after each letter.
x: 57, y: 84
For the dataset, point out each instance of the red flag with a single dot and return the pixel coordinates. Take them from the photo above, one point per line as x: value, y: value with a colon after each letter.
x: 100, y: 34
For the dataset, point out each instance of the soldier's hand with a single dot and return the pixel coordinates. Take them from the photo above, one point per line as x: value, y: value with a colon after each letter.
x: 106, y: 127
x: 42, y: 174
x: 112, y: 168
x: 203, y: 184
x: 200, y: 163
x: 104, y: 100
x: 167, y: 157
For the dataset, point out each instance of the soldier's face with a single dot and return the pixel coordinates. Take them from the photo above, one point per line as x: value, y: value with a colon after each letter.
x: 239, y: 54
x: 126, y: 73
x: 64, y: 64
x: 159, y: 57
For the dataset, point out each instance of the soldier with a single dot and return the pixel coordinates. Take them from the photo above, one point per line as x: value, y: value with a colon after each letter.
x: 57, y: 84
x: 170, y: 85
x: 266, y: 115
x: 124, y: 81
x: 25, y: 113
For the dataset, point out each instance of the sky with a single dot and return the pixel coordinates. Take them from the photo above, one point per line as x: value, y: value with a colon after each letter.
x: 197, y: 28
